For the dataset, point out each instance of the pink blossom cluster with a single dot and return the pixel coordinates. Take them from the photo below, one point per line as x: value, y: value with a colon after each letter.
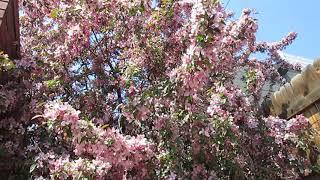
x: 116, y: 154
x: 282, y: 129
x: 63, y: 167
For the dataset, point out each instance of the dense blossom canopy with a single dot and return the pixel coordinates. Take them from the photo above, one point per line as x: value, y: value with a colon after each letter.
x: 142, y: 89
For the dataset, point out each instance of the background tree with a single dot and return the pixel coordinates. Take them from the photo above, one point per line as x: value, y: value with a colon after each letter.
x: 153, y: 85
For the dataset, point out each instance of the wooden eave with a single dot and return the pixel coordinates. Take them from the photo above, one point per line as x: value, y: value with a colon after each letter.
x: 9, y: 28
x: 3, y: 7
x: 297, y: 96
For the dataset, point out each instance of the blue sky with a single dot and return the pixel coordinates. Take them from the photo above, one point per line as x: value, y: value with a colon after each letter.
x: 278, y: 17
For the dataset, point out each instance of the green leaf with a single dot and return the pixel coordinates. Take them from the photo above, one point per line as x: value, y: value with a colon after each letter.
x: 32, y: 167
x: 189, y: 98
x: 5, y: 62
x: 52, y: 83
x: 55, y: 13
x: 109, y: 141
x: 50, y: 124
x: 201, y: 38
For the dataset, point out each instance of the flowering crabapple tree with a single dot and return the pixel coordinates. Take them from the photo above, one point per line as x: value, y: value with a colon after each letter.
x: 142, y: 89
